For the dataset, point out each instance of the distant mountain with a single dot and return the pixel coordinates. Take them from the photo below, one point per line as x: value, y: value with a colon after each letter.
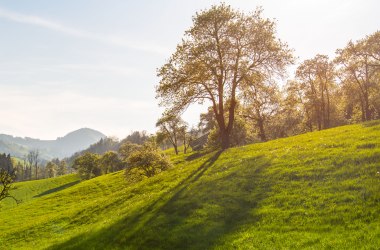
x: 61, y: 147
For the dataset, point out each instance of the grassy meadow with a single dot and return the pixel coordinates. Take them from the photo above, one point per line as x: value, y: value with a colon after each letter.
x: 318, y: 190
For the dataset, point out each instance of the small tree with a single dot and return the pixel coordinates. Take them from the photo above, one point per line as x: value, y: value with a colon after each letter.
x: 126, y: 149
x: 6, y: 181
x: 33, y: 161
x: 110, y: 162
x: 51, y: 169
x: 261, y: 101
x: 87, y: 166
x: 171, y: 126
x: 187, y: 137
x: 62, y: 168
x: 148, y: 161
x: 19, y: 171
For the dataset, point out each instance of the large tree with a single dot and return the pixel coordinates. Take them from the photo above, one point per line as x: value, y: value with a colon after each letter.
x: 262, y: 101
x: 359, y: 64
x: 110, y: 162
x: 315, y: 85
x: 87, y: 165
x: 222, y: 52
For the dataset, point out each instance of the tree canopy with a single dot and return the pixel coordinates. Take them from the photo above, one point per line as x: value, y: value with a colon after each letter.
x: 224, y: 51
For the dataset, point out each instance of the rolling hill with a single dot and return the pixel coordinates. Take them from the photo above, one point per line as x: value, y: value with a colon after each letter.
x: 318, y: 190
x: 61, y: 147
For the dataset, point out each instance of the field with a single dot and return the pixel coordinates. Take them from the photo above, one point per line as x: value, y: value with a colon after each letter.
x: 318, y: 190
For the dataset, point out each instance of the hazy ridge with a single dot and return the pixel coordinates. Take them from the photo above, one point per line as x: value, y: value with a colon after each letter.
x: 61, y: 147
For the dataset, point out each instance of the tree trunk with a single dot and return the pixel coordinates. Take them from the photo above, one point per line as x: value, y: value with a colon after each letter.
x: 319, y: 123
x: 366, y: 107
x: 262, y: 134
x: 184, y: 144
x: 224, y: 133
x: 366, y: 88
x: 323, y: 108
x: 363, y: 109
x: 225, y: 139
x: 327, y: 125
x: 231, y: 118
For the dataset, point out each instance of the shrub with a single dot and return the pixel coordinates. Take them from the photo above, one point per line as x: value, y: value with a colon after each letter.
x: 109, y: 162
x: 87, y: 166
x: 146, y: 162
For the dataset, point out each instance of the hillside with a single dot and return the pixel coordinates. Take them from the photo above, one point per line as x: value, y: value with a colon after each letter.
x: 61, y: 147
x: 28, y: 190
x: 318, y: 190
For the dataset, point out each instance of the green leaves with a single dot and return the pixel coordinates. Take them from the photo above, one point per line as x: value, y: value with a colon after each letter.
x: 146, y: 161
x: 87, y: 166
x: 218, y: 56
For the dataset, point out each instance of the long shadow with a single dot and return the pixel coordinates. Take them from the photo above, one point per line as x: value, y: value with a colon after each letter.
x: 197, y: 155
x: 194, y: 176
x: 171, y: 222
x: 177, y: 190
x: 53, y: 190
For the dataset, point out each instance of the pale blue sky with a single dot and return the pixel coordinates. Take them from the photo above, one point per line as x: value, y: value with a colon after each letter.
x: 71, y: 64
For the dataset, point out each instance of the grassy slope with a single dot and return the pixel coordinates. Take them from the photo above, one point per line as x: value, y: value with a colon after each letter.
x: 27, y: 190
x: 317, y: 190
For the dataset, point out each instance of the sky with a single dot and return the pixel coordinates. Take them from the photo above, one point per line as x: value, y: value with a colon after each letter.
x: 66, y: 65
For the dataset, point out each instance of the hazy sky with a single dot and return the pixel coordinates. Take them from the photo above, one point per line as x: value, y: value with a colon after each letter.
x: 92, y: 63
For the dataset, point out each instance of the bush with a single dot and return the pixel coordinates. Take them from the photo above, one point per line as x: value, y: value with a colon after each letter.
x: 6, y: 184
x: 87, y: 166
x: 126, y: 149
x: 109, y: 162
x: 146, y: 162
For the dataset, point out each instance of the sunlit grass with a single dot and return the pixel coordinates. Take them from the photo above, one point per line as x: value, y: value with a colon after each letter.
x: 27, y: 190
x: 318, y: 190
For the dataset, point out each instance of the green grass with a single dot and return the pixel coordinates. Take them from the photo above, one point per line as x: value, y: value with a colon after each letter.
x: 319, y: 190
x: 28, y: 190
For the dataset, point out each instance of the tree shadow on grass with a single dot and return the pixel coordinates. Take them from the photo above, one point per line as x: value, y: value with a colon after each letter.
x: 195, y: 214
x: 198, y: 154
x: 53, y: 190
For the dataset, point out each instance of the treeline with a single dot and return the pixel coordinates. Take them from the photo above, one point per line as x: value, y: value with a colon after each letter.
x: 6, y: 163
x: 110, y: 144
x: 139, y: 156
x: 6, y: 176
x: 105, y: 156
x: 234, y: 63
x: 32, y: 167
